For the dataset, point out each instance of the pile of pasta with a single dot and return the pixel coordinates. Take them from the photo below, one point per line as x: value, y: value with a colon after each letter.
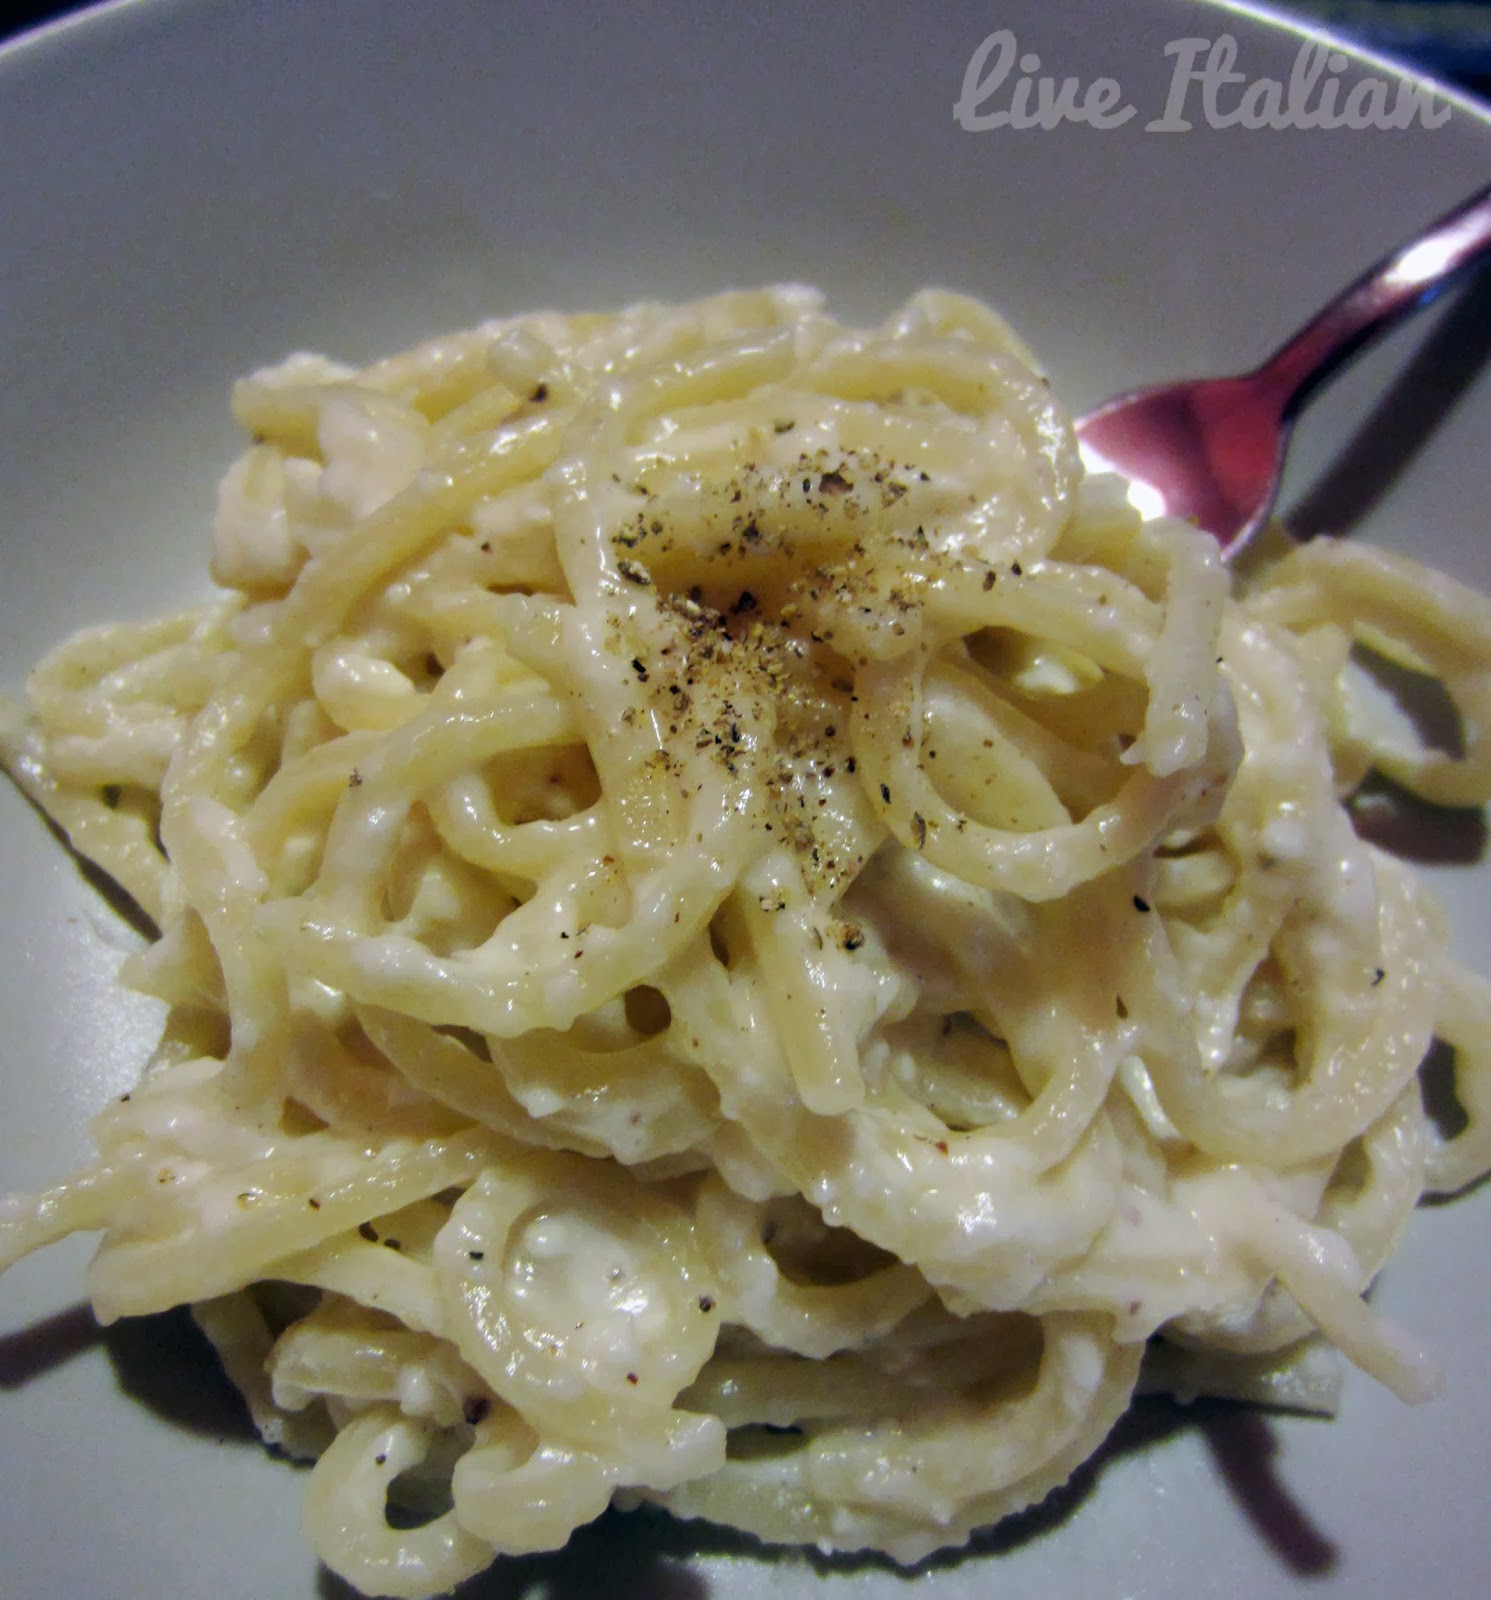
x: 738, y: 934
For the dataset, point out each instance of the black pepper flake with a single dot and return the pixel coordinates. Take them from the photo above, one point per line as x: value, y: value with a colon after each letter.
x: 392, y: 1244
x: 783, y: 425
x: 639, y: 669
x: 744, y: 605
x: 1015, y: 568
x: 1140, y: 903
x: 633, y: 573
x: 476, y: 1409
x: 706, y: 1303
x: 850, y: 765
x: 354, y: 779
x: 368, y: 1231
x: 919, y: 829
x: 1378, y: 976
x: 834, y: 483
x: 381, y: 1459
x: 540, y: 394
x: 990, y: 579
x: 476, y: 1255
x: 632, y: 1377
x: 885, y: 793
x: 111, y: 794
x: 314, y: 1203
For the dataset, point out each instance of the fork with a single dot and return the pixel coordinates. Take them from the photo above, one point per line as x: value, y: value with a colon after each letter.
x: 1211, y: 449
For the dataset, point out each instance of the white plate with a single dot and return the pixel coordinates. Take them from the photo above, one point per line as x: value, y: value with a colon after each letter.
x: 189, y: 189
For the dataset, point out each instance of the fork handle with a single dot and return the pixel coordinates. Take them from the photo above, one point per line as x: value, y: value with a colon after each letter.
x: 1403, y: 281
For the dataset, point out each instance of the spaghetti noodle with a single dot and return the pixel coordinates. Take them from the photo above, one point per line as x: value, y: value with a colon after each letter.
x: 739, y: 935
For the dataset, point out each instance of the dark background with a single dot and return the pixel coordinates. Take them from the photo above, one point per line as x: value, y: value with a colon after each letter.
x: 1451, y: 38
x: 20, y: 17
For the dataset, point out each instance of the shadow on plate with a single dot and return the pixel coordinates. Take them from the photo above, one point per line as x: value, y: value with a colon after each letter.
x: 112, y: 893
x: 39, y: 1348
x: 166, y: 1363
x: 1403, y: 419
x: 162, y: 1362
x: 1414, y: 830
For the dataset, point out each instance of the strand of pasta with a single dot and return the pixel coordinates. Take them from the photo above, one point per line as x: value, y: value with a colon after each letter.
x: 710, y: 885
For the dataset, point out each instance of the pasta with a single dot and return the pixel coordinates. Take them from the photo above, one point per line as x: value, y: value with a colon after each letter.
x: 740, y: 935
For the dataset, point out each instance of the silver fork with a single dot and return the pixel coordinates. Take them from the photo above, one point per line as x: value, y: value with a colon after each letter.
x: 1211, y: 449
